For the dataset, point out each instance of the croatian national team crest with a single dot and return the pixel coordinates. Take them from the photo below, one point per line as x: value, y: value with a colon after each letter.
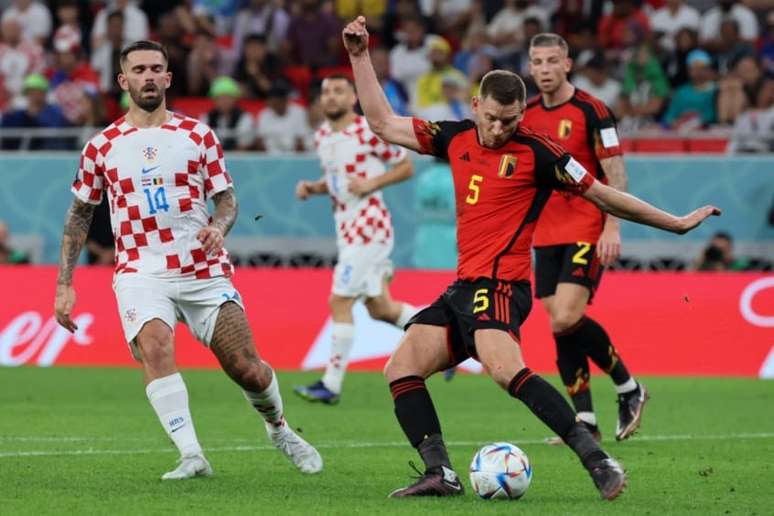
x: 149, y: 154
x: 131, y: 315
x: 507, y: 166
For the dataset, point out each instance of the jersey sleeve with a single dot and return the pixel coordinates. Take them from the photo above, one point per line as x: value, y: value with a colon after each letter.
x: 89, y: 181
x: 388, y: 153
x: 213, y: 165
x: 557, y: 170
x: 434, y: 137
x: 605, y: 134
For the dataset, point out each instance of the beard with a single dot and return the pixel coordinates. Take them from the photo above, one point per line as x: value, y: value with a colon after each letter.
x: 335, y: 115
x: 148, y: 104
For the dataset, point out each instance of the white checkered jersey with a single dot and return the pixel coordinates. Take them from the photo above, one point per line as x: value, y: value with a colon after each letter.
x: 158, y: 181
x: 356, y: 152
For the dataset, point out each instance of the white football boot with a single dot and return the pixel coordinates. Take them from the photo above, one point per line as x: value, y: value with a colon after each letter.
x: 299, y: 452
x: 189, y: 467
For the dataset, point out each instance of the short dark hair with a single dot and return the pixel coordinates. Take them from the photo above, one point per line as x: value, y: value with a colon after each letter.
x: 723, y: 235
x: 115, y: 14
x: 340, y: 77
x: 549, y: 39
x: 503, y: 86
x: 143, y: 45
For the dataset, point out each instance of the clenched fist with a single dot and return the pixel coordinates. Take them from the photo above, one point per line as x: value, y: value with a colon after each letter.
x: 355, y: 36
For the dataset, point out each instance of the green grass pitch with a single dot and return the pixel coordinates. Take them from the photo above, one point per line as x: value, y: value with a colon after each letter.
x: 85, y: 441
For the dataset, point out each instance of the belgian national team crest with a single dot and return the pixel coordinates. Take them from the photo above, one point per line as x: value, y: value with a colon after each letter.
x: 507, y: 166
x: 565, y: 128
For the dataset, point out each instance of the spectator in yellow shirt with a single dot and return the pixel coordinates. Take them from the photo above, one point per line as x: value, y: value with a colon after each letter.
x: 430, y: 84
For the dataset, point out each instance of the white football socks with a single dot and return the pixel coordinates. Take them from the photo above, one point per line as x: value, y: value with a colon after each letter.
x: 268, y: 403
x: 628, y: 386
x: 406, y: 313
x: 342, y: 337
x: 169, y: 399
x: 588, y: 417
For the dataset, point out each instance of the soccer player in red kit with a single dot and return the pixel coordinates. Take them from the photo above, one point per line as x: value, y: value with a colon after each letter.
x: 574, y: 239
x: 503, y: 175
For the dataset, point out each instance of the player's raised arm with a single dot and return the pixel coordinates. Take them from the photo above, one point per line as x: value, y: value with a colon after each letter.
x: 76, y: 228
x: 381, y: 119
x: 629, y: 207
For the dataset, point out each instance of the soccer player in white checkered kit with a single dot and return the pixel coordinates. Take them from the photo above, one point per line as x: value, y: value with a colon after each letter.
x: 158, y: 170
x: 356, y: 165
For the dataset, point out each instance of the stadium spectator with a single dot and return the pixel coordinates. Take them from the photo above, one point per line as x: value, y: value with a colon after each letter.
x: 475, y: 46
x: 731, y: 48
x: 676, y: 64
x: 216, y: 16
x: 429, y: 83
x: 100, y: 245
x: 34, y: 18
x: 394, y: 91
x: 258, y: 68
x: 455, y: 100
x: 744, y: 88
x: 261, y: 17
x: 753, y: 132
x: 694, y: 104
x: 282, y: 126
x: 624, y: 16
x: 68, y: 14
x: 18, y: 58
x: 667, y: 21
x: 450, y: 17
x: 709, y: 33
x: 37, y: 114
x: 72, y: 79
x: 506, y: 30
x: 106, y: 59
x: 644, y: 92
x: 373, y: 10
x: 409, y: 59
x: 313, y: 37
x: 594, y: 77
x: 767, y: 46
x: 135, y: 22
x: 202, y: 65
x: 8, y: 255
x: 719, y: 255
x: 399, y: 15
x: 228, y: 116
x: 171, y: 33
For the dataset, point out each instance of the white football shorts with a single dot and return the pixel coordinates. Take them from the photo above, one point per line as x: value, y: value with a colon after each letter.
x: 361, y: 270
x: 193, y: 301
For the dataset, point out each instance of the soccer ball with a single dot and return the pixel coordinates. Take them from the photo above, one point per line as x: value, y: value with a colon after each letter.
x: 500, y: 470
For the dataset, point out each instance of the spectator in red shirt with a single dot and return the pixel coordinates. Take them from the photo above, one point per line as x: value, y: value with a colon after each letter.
x: 610, y: 34
x: 73, y: 82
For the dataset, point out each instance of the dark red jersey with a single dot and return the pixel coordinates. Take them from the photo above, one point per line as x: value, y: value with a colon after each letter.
x: 499, y: 193
x: 585, y: 127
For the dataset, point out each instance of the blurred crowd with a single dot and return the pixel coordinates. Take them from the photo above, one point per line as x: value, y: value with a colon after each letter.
x: 251, y: 68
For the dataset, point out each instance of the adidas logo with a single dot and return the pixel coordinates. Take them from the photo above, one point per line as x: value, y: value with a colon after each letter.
x: 465, y: 157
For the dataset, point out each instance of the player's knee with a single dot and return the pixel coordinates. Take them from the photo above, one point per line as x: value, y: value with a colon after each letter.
x: 340, y: 305
x: 155, y: 350
x: 563, y: 319
x: 251, y: 375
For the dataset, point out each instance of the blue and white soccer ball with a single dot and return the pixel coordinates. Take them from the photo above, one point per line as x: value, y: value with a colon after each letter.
x: 500, y: 470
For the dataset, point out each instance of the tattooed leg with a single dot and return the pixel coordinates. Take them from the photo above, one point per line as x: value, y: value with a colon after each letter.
x: 232, y: 343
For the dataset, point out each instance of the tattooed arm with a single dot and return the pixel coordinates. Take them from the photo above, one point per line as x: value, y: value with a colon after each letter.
x: 76, y: 228
x: 223, y: 219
